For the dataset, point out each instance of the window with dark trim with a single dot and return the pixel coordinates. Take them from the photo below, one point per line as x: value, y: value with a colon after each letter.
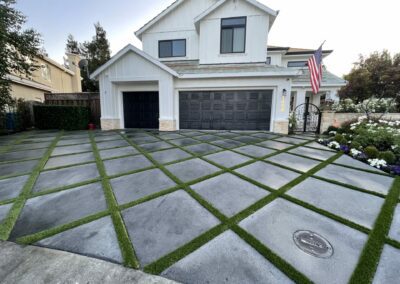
x: 233, y: 35
x: 172, y: 48
x: 297, y: 64
x: 268, y: 62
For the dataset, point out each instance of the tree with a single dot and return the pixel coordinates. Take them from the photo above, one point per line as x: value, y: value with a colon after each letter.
x: 18, y: 49
x: 97, y: 52
x: 373, y: 77
x: 72, y: 45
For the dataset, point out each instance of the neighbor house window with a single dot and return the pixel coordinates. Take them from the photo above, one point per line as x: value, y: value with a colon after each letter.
x: 268, y: 60
x: 172, y: 48
x: 233, y: 35
x: 46, y: 73
x: 297, y: 64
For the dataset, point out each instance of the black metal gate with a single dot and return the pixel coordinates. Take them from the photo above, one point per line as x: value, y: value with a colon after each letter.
x: 308, y: 118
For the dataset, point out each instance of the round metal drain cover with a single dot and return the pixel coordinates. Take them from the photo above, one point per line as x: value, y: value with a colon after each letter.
x: 313, y: 244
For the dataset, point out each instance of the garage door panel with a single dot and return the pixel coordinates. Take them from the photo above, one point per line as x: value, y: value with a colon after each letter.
x: 230, y: 110
x: 141, y: 109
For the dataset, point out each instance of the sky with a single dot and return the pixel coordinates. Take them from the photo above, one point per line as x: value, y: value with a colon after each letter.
x: 350, y: 27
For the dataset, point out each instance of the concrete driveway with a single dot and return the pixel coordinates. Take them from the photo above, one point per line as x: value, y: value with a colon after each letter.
x: 202, y: 206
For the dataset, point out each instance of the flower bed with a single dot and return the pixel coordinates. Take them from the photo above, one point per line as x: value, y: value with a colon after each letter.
x: 376, y: 142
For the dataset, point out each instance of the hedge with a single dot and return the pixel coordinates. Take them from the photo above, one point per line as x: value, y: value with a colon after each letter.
x: 61, y: 117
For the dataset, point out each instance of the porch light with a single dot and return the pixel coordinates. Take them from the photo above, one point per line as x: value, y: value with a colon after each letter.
x: 284, y: 92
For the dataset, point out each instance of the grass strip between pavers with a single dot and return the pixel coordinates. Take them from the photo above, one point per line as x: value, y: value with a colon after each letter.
x: 128, y: 253
x: 369, y: 260
x: 12, y: 143
x: 9, y: 222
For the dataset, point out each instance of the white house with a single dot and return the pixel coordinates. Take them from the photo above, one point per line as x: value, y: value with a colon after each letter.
x: 206, y: 64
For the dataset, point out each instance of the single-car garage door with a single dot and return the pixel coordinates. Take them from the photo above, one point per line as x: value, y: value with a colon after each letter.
x: 141, y: 109
x: 230, y: 110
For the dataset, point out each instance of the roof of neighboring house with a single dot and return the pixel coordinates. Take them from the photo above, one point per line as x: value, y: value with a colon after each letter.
x: 58, y: 65
x: 125, y: 50
x: 192, y: 69
x: 328, y: 79
x: 177, y: 3
x: 295, y: 50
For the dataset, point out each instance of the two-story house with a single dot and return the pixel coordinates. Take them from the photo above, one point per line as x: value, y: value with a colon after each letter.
x: 48, y: 77
x: 206, y: 64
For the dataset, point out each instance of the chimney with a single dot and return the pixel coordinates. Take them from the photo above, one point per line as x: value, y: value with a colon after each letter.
x: 73, y: 65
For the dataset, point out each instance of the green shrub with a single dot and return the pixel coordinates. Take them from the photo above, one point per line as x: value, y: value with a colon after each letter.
x: 371, y: 152
x: 388, y: 156
x: 339, y: 137
x: 61, y: 117
x: 343, y: 141
x: 330, y: 128
x: 355, y: 145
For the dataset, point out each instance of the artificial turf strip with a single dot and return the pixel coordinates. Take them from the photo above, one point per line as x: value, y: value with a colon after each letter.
x: 128, y: 253
x: 9, y: 222
x: 285, y: 267
x: 370, y: 256
x: 17, y: 141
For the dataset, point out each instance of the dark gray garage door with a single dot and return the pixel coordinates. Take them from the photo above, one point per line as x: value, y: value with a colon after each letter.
x: 230, y: 110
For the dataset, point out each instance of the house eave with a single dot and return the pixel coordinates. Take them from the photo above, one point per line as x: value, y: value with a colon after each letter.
x: 237, y: 75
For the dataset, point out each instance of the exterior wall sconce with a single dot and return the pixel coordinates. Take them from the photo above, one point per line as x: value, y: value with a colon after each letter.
x: 284, y: 92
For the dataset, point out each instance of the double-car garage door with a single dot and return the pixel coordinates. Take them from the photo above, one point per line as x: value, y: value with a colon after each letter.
x: 230, y: 110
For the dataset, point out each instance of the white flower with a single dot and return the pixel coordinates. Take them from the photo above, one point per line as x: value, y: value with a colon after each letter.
x: 320, y: 140
x: 334, y: 145
x: 355, y: 152
x: 394, y: 147
x: 377, y: 163
x: 332, y: 132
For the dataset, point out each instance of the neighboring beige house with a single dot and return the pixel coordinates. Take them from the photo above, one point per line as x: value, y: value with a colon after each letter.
x: 50, y: 77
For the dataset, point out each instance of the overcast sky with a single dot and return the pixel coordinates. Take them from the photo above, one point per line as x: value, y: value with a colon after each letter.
x: 350, y: 27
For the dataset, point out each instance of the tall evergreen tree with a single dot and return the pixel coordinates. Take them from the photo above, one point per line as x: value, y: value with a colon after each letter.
x: 97, y: 52
x: 72, y: 45
x: 18, y: 48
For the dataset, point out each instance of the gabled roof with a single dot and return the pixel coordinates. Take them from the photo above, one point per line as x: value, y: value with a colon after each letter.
x: 295, y: 50
x: 328, y: 79
x: 165, y: 12
x: 124, y: 51
x: 216, y: 5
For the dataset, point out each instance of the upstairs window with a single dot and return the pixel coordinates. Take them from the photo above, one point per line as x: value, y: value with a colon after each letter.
x: 233, y: 35
x: 297, y: 64
x: 172, y: 48
x: 268, y: 62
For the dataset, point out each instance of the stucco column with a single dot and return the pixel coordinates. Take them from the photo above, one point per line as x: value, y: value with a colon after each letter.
x: 300, y: 97
x: 282, y: 106
x: 167, y: 102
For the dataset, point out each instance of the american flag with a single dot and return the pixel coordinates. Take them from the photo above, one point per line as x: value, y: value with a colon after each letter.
x: 315, y: 67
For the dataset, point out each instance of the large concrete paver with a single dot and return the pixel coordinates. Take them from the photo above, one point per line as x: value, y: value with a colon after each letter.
x: 11, y: 187
x: 4, y: 209
x: 225, y: 259
x: 123, y: 165
x: 227, y: 159
x: 388, y: 269
x: 29, y: 264
x: 275, y: 226
x: 192, y: 169
x: 8, y: 169
x: 62, y: 161
x: 160, y: 226
x: 394, y: 232
x: 294, y: 162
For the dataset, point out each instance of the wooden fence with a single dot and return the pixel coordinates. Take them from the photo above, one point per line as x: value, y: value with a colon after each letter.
x: 91, y: 100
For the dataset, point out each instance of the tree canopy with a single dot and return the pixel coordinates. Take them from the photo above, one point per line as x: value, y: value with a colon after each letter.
x: 18, y: 48
x: 377, y: 75
x: 72, y: 45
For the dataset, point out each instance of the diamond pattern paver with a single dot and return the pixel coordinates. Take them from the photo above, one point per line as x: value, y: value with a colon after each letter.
x: 66, y: 142
x: 132, y: 187
x: 269, y: 175
x: 369, y: 181
x: 192, y: 169
x: 318, y: 146
x: 170, y: 136
x: 229, y: 194
x: 208, y: 138
x: 8, y: 169
x: 225, y: 259
x: 123, y: 165
x: 86, y: 238
x: 21, y: 147
x: 247, y: 139
x: 4, y: 209
x: 202, y: 149
x: 275, y: 145
x: 227, y: 143
x: 395, y: 228
x: 11, y: 187
x: 22, y: 155
x: 117, y: 152
x: 171, y: 155
x: 64, y: 150
x: 162, y: 225
x: 51, y: 210
x: 144, y: 139
x: 227, y: 159
x: 265, y: 135
x: 254, y: 151
x: 348, y: 161
x: 339, y: 201
x: 275, y: 224
x: 63, y: 177
x: 104, y: 138
x: 111, y: 144
x: 156, y: 146
x: 62, y: 161
x: 294, y: 162
x: 184, y: 142
x: 313, y: 153
x: 290, y: 140
x: 388, y: 269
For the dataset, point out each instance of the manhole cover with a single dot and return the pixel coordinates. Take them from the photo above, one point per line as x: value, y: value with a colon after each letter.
x: 313, y: 244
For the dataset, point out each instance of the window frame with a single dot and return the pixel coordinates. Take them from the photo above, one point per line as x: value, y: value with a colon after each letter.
x: 172, y: 48
x: 298, y: 61
x: 268, y: 61
x: 232, y: 27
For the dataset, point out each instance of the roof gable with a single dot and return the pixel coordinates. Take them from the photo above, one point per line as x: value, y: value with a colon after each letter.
x: 125, y: 50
